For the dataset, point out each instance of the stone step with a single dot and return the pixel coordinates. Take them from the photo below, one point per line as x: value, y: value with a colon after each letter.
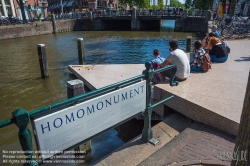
x: 198, y: 144
x: 135, y: 151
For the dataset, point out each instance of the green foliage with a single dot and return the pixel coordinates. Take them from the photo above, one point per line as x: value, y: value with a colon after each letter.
x: 203, y: 4
x: 146, y: 4
x: 160, y: 4
x: 188, y: 4
x: 39, y: 17
x: 176, y: 3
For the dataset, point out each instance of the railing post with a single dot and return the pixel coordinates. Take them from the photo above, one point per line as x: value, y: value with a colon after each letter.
x: 147, y: 133
x: 42, y: 60
x: 22, y: 120
x: 188, y: 43
x: 80, y: 46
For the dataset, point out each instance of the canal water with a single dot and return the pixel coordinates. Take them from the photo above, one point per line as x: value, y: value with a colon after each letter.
x: 21, y: 85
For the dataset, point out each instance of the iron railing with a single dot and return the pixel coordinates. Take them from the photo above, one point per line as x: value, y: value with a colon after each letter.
x: 21, y: 117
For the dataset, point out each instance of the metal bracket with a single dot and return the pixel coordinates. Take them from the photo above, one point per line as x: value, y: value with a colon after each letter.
x: 154, y: 141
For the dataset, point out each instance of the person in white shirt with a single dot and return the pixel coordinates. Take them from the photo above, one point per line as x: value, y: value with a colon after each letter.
x: 180, y: 59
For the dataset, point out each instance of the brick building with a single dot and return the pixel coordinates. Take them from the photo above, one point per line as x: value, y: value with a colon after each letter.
x: 31, y: 8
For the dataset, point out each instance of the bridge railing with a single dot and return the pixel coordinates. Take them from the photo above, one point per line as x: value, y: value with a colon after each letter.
x: 21, y: 117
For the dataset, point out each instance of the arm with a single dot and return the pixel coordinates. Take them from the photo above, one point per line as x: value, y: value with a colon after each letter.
x: 166, y: 62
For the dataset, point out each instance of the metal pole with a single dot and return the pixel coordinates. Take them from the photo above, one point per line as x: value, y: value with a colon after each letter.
x: 147, y: 133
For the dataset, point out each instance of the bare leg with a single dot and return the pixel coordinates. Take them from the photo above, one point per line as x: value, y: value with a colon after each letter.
x: 162, y: 78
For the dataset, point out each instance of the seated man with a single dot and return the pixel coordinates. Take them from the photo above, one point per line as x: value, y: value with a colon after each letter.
x: 180, y: 59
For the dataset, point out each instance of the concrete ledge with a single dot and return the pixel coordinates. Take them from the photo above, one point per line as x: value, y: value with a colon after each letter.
x: 215, y: 97
x: 198, y: 113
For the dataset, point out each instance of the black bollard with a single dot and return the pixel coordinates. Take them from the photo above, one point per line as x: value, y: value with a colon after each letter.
x: 53, y: 19
x: 42, y: 60
x: 80, y: 46
x: 188, y: 43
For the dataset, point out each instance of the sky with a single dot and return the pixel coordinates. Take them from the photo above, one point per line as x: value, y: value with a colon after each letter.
x: 182, y: 1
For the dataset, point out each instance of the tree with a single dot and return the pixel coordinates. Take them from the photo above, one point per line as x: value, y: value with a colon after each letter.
x: 242, y: 146
x: 203, y: 4
x: 232, y: 7
x: 146, y: 3
x: 138, y: 3
x: 224, y: 6
x: 188, y: 4
x: 21, y: 5
x: 176, y: 3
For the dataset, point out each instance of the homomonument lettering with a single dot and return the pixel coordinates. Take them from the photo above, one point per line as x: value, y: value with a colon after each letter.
x: 70, y: 118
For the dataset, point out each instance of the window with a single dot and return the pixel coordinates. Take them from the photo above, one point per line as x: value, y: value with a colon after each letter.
x: 1, y: 11
x: 7, y: 2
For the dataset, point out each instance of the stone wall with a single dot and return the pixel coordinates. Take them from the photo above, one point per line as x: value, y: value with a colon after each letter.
x: 34, y: 29
x: 188, y: 24
x: 65, y: 25
x: 16, y: 31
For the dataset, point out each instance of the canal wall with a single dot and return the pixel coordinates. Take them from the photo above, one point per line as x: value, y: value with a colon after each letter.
x: 188, y: 24
x: 39, y: 28
x: 36, y: 28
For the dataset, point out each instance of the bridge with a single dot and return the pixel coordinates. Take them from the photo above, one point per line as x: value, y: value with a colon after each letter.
x: 136, y: 20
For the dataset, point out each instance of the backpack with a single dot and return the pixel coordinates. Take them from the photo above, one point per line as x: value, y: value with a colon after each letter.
x: 155, y: 66
x: 226, y: 46
x: 207, y: 64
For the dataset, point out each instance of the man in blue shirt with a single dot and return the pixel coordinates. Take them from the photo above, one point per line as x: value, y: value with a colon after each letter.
x: 214, y: 29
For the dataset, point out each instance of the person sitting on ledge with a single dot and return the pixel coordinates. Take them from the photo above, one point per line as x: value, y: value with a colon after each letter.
x: 155, y: 65
x: 214, y: 30
x: 180, y: 59
x: 206, y: 40
x: 218, y: 51
x: 199, y: 52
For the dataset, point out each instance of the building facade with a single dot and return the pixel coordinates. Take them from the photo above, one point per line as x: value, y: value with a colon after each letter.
x: 32, y: 8
x: 244, y: 7
x: 80, y: 5
x: 7, y: 6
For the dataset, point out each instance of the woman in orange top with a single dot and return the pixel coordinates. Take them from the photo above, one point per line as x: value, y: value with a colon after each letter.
x: 218, y: 51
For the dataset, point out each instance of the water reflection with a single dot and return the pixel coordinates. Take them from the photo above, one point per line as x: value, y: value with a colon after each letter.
x: 20, y: 83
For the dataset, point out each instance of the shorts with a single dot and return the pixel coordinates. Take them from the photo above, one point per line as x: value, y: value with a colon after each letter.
x: 168, y: 73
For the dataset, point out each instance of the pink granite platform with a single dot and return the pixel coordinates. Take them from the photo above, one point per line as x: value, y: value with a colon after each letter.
x: 214, y: 98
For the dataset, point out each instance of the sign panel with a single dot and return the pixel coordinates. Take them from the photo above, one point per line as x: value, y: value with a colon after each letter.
x: 60, y: 130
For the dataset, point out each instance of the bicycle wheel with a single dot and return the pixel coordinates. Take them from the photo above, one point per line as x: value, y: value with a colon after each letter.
x: 227, y: 32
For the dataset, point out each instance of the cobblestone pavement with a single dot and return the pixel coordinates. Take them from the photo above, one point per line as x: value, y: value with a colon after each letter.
x: 207, y: 146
